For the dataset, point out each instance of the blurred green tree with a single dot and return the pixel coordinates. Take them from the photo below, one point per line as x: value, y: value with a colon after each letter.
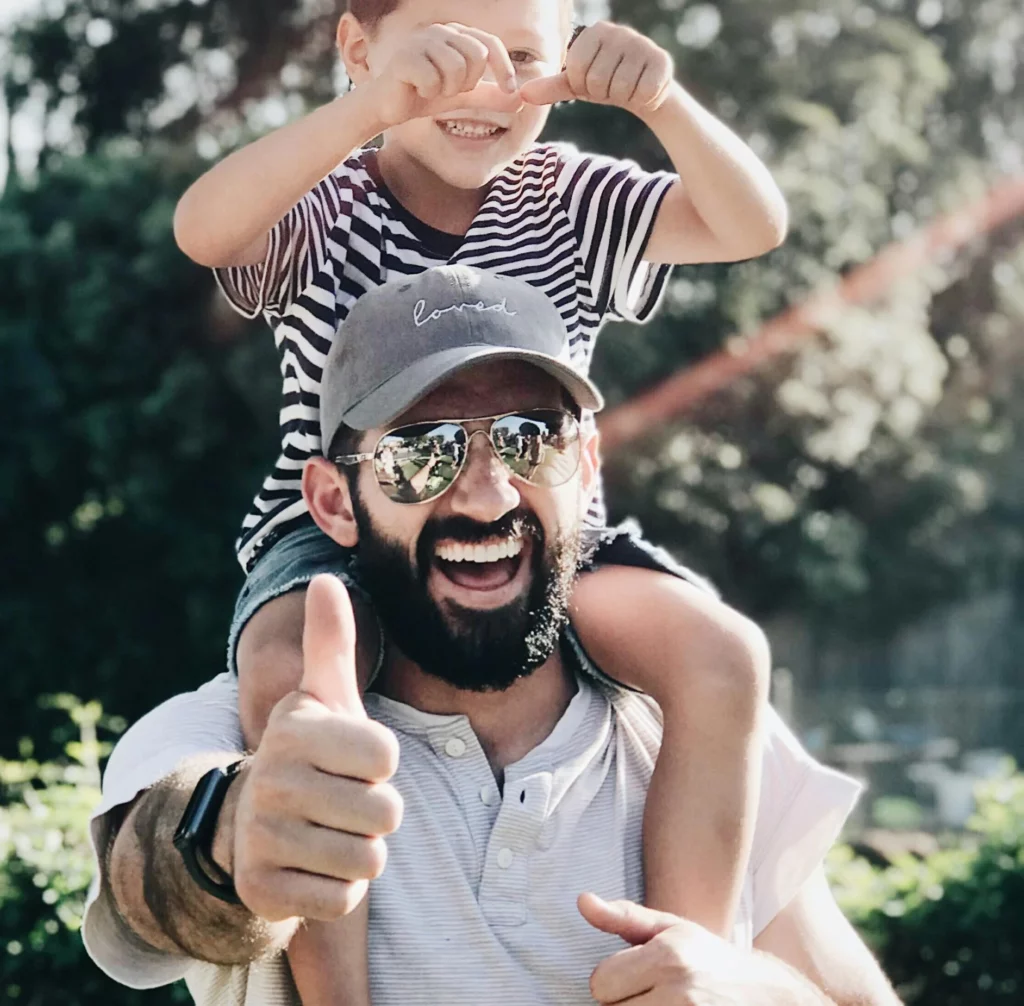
x: 849, y: 480
x: 131, y: 437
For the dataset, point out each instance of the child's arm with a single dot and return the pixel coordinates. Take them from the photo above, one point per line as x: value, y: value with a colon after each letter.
x: 330, y: 963
x: 726, y: 206
x: 224, y: 218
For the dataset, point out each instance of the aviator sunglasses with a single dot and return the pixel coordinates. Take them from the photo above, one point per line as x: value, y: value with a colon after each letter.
x: 419, y: 462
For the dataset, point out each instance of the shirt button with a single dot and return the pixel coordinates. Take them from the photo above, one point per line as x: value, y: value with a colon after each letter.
x: 455, y: 747
x: 505, y: 858
x: 488, y: 796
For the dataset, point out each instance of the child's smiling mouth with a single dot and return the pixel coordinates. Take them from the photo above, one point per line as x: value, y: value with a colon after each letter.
x: 471, y: 128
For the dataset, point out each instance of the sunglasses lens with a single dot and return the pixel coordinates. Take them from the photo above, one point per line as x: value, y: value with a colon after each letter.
x: 417, y: 463
x: 541, y: 447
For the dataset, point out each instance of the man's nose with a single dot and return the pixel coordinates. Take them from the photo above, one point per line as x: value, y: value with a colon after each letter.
x: 484, y: 490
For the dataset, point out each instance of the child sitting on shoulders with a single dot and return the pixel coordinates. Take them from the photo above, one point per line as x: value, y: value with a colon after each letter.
x: 303, y: 221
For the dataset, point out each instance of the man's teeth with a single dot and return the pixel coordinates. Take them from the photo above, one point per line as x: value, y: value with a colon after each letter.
x: 471, y: 130
x: 455, y: 551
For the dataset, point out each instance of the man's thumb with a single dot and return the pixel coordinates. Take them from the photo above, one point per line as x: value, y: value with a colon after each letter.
x: 634, y: 923
x: 329, y: 647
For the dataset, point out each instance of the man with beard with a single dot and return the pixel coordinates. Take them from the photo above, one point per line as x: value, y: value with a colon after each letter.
x: 523, y: 773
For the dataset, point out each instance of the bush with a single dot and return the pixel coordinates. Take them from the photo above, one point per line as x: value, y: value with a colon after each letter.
x: 950, y: 928
x: 45, y: 869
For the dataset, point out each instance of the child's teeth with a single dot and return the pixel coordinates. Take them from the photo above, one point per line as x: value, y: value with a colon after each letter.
x: 470, y: 129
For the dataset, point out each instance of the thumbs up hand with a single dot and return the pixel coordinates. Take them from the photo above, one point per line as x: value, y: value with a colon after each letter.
x: 678, y: 963
x: 314, y: 802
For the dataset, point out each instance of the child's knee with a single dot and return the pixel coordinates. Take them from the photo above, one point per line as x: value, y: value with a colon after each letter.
x: 702, y: 651
x: 738, y: 652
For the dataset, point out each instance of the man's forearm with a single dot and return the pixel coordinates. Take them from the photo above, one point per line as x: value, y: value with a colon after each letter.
x: 155, y: 894
x: 782, y: 985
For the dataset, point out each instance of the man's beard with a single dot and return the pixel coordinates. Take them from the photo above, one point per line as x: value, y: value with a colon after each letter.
x: 476, y: 650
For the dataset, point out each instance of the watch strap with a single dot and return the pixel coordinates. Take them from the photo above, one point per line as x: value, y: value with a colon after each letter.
x: 194, y: 836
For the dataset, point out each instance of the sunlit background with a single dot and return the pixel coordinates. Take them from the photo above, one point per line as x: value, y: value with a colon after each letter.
x: 833, y: 433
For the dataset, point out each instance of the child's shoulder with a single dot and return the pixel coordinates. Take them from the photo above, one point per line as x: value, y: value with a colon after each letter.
x: 359, y: 166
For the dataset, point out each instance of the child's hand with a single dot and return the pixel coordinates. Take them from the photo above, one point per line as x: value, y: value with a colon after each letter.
x: 608, y: 64
x: 442, y: 68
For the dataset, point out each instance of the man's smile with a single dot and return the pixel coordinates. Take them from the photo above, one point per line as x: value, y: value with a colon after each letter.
x: 483, y: 574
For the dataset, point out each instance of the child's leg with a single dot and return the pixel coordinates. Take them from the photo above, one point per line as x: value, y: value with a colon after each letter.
x: 328, y: 960
x: 708, y: 668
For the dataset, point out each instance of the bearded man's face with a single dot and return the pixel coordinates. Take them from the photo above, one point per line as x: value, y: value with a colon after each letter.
x: 477, y: 649
x: 474, y: 586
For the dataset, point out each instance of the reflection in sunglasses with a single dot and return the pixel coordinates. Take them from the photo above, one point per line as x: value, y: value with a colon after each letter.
x: 414, y: 464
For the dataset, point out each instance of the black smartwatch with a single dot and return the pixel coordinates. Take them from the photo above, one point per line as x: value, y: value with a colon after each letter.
x: 194, y: 835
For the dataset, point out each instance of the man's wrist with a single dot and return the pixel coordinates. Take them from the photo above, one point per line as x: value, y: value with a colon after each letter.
x: 222, y: 848
x: 780, y: 984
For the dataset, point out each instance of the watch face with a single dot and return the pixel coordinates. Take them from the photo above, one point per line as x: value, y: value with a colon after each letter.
x: 201, y: 813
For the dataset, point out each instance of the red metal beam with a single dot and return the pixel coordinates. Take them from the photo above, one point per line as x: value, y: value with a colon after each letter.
x: 866, y: 283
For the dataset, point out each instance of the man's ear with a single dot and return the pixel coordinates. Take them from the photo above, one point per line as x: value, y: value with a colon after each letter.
x: 329, y: 499
x: 354, y: 49
x: 590, y: 466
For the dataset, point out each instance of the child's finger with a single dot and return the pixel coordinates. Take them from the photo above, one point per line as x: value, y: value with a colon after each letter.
x: 485, y: 96
x: 625, y: 81
x: 476, y: 55
x: 451, y: 66
x: 498, y: 58
x: 651, y: 86
x: 602, y: 70
x: 548, y: 90
x: 581, y: 57
x: 423, y: 76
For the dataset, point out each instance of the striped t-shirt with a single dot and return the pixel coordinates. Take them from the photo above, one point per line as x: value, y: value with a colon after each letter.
x: 575, y: 225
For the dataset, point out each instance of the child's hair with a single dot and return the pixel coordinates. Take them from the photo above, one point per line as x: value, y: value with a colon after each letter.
x: 370, y: 13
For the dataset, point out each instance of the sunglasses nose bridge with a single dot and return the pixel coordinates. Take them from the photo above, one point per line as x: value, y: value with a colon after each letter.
x: 486, y: 434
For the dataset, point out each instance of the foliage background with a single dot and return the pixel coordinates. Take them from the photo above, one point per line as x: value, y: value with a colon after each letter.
x: 859, y: 481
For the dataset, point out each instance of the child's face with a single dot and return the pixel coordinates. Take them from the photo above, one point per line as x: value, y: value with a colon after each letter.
x: 535, y: 33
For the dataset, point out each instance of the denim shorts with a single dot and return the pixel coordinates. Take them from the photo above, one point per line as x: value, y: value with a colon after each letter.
x: 292, y: 561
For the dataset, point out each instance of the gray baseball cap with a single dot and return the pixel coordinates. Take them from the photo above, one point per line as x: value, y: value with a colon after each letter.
x: 407, y: 337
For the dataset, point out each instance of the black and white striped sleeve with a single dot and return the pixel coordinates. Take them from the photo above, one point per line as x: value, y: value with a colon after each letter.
x: 312, y: 231
x: 613, y: 206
